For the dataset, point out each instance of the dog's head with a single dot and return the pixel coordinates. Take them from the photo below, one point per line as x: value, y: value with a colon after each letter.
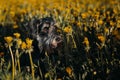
x: 46, y: 33
x: 41, y: 26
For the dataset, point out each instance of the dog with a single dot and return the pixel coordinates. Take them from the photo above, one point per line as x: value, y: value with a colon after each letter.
x: 46, y: 39
x: 44, y: 31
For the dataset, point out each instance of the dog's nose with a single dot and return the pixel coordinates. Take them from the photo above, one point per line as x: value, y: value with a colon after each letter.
x: 57, y: 42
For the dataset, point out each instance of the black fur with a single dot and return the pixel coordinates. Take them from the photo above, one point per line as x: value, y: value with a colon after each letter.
x: 45, y: 39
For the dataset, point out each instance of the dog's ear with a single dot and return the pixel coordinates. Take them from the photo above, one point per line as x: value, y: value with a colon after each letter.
x: 38, y: 25
x: 34, y: 27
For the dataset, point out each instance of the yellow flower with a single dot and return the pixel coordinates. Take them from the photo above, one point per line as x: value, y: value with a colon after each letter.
x: 115, y: 11
x: 84, y: 15
x: 100, y: 22
x: 85, y: 29
x: 86, y: 41
x: 75, y: 14
x: 67, y: 29
x: 8, y: 39
x: 15, y: 26
x: 29, y: 43
x: 23, y: 45
x: 12, y: 13
x: 17, y: 35
x: 111, y: 23
x: 118, y: 21
x: 101, y: 38
x: 69, y: 70
x: 116, y: 34
x: 106, y: 30
x: 22, y: 11
x: 78, y: 24
x: 108, y: 12
x: 96, y: 16
x: 19, y: 42
x: 47, y: 75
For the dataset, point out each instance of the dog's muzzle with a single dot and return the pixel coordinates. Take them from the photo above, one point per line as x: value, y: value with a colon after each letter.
x: 57, y: 42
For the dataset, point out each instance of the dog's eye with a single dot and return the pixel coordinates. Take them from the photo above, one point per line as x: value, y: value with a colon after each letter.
x: 58, y: 39
x: 46, y: 28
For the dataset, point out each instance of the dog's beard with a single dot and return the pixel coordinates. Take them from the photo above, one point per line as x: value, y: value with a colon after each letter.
x: 52, y: 42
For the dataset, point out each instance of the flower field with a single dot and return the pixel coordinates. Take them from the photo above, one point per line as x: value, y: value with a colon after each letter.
x: 91, y: 31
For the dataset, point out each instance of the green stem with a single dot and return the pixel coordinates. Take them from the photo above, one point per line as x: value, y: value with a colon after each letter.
x: 74, y: 43
x: 13, y: 65
x: 32, y: 66
x: 18, y: 61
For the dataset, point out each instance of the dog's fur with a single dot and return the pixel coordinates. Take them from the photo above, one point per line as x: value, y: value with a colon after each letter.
x: 45, y: 39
